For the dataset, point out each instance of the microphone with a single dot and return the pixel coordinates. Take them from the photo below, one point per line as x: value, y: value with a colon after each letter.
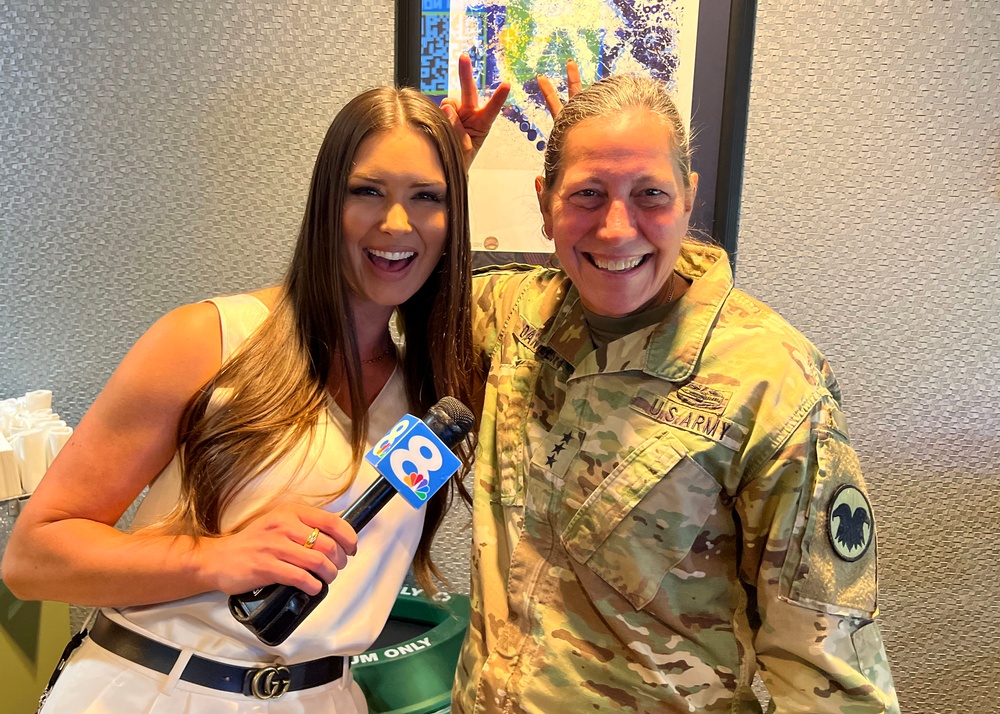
x: 272, y: 612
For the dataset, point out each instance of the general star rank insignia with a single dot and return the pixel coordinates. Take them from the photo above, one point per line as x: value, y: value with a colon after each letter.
x: 849, y: 523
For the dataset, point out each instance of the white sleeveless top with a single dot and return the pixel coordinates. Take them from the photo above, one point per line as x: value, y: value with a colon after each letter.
x: 351, y: 616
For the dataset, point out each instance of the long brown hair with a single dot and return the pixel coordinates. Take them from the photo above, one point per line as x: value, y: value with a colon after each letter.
x: 279, y: 377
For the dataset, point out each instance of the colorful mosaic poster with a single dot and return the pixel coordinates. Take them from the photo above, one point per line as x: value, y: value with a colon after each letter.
x: 515, y: 41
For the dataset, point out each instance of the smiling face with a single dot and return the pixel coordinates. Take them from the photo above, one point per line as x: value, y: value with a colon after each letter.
x: 618, y: 211
x: 395, y: 216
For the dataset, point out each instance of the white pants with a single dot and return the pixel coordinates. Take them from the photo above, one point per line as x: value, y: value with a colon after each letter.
x: 96, y: 681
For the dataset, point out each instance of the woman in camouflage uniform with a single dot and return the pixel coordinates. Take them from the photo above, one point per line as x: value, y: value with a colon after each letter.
x: 666, y: 499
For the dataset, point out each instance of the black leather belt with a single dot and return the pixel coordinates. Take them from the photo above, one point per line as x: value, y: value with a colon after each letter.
x: 266, y: 682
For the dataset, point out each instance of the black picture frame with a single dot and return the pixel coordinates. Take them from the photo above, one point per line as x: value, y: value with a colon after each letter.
x: 723, y: 62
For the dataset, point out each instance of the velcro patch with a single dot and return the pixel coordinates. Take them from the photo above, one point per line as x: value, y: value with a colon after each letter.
x: 849, y: 523
x: 711, y: 426
x: 530, y: 336
x: 700, y: 396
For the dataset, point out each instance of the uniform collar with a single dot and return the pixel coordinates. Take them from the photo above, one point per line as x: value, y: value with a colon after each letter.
x: 667, y: 350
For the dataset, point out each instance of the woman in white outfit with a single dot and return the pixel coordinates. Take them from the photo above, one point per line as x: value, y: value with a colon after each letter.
x: 248, y: 417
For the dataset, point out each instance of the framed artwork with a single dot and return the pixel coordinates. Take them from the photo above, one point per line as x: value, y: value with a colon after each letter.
x: 702, y: 49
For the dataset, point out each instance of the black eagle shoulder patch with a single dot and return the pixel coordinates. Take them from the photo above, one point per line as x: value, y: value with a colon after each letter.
x: 850, y: 524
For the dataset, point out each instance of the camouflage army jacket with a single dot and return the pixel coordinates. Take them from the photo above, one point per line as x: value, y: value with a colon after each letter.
x: 656, y: 520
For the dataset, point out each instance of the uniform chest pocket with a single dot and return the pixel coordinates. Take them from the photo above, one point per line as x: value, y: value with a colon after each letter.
x: 643, y: 519
x: 515, y: 387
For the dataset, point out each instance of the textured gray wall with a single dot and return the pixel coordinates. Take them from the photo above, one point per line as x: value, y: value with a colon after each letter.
x: 155, y: 153
x: 871, y: 218
x: 151, y: 155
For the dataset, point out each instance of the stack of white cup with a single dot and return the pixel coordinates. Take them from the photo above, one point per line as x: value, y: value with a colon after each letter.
x: 30, y: 437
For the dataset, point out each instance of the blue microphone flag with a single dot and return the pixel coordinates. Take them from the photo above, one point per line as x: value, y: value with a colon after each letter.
x: 414, y: 460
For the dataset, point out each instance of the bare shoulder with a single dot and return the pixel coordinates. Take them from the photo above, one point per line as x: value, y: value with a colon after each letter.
x: 165, y: 367
x: 183, y: 346
x: 130, y: 431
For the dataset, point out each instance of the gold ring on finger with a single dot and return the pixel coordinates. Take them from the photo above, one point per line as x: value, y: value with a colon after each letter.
x: 311, y: 540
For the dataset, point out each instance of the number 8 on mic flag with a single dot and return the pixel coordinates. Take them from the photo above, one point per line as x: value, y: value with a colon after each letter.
x: 414, y: 460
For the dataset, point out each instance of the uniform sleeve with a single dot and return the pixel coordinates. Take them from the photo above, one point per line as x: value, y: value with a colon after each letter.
x: 809, y: 565
x: 495, y: 291
x: 484, y: 312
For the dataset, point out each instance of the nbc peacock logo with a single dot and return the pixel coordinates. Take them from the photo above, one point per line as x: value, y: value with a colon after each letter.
x: 380, y: 449
x: 419, y: 484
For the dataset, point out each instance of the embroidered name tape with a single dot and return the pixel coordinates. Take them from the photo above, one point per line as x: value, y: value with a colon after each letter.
x: 711, y: 426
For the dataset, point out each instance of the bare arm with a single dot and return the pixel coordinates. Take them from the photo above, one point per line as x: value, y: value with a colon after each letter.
x: 64, y: 545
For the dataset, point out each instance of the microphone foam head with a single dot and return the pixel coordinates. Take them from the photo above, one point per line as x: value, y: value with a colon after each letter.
x: 459, y: 414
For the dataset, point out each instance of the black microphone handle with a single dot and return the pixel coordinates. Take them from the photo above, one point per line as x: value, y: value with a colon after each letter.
x: 274, y: 611
x: 370, y: 503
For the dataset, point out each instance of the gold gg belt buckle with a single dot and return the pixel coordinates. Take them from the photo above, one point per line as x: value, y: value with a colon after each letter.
x: 267, y: 683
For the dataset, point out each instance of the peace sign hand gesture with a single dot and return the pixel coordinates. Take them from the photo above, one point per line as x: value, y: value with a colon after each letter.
x: 471, y: 122
x: 573, y: 83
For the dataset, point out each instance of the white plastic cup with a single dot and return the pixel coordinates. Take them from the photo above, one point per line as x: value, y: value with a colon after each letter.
x: 38, y: 399
x: 10, y: 409
x: 18, y: 423
x: 29, y: 452
x: 10, y: 482
x: 57, y: 438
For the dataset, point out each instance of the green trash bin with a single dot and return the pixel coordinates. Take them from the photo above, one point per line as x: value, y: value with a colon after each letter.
x: 410, y: 667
